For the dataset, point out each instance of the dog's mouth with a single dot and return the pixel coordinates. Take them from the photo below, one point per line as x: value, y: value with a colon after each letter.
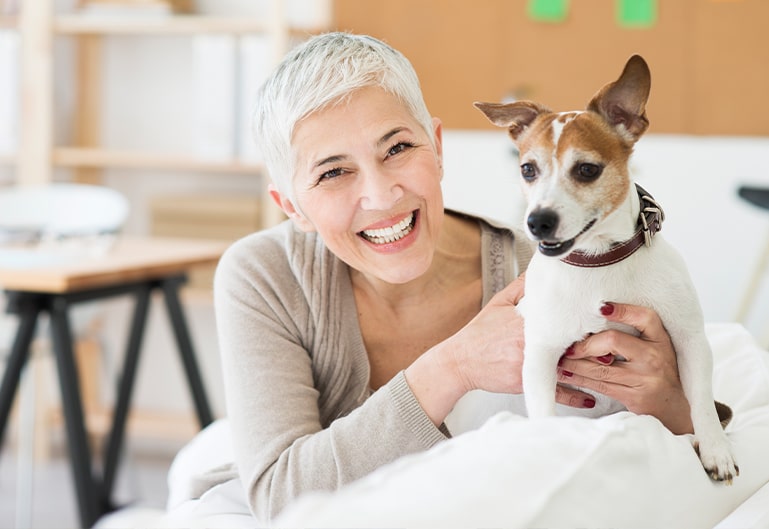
x: 556, y: 248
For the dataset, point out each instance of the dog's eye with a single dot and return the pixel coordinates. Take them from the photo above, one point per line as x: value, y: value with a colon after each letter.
x: 587, y: 171
x: 528, y: 171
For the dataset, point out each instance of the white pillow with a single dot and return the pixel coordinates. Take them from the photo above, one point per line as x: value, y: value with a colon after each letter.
x: 621, y: 470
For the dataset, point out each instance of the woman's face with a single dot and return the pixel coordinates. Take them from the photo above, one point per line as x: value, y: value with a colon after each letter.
x: 368, y: 181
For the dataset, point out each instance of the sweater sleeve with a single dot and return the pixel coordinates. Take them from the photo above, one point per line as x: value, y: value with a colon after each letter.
x: 287, y: 438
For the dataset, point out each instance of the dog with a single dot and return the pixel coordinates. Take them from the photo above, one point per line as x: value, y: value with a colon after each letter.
x: 597, y: 241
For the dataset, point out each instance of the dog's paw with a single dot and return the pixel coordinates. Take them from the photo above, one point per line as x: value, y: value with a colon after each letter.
x: 717, y: 460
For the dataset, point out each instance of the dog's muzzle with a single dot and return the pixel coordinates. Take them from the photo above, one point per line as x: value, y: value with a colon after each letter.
x: 542, y: 224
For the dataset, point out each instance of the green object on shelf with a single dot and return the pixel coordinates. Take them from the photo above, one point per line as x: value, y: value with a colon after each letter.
x: 548, y: 10
x: 637, y: 13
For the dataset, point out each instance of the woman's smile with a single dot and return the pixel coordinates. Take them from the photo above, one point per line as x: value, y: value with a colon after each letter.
x: 392, y: 233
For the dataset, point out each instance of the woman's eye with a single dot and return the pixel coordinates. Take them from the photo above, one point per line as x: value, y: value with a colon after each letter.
x: 399, y: 147
x: 528, y: 171
x: 333, y: 173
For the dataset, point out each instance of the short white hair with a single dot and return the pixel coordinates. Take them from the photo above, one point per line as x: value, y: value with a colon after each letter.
x: 319, y: 73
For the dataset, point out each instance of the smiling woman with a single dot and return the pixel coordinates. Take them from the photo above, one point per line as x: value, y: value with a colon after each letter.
x: 379, y: 169
x: 351, y: 331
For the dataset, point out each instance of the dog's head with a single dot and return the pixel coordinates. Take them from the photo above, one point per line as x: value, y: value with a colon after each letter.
x: 574, y: 165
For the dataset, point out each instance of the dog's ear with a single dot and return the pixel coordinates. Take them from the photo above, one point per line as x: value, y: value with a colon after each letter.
x: 513, y: 116
x: 623, y: 102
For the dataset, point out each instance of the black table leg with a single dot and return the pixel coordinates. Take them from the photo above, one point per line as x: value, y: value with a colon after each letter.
x: 28, y: 310
x: 171, y: 295
x: 94, y: 494
x: 80, y: 454
x: 125, y: 388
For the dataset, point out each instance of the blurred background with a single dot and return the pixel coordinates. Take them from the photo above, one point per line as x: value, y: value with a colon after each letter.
x: 152, y: 98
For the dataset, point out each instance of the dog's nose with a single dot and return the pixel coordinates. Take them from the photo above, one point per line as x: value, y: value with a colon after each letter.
x: 542, y: 223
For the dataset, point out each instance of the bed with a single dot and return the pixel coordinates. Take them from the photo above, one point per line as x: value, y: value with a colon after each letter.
x: 622, y: 470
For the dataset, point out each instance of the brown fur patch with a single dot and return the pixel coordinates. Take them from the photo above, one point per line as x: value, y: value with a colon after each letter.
x: 590, y: 134
x: 539, y: 133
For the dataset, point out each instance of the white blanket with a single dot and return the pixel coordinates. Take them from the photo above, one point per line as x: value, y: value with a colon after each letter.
x: 618, y: 471
x: 622, y: 471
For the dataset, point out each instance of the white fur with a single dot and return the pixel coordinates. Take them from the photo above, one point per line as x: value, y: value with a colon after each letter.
x: 562, y: 305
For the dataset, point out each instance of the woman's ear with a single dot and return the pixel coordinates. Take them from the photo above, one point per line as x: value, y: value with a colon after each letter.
x: 288, y: 208
x: 438, y: 135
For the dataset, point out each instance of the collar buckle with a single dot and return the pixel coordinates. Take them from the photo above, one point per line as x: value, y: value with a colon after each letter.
x: 651, y: 215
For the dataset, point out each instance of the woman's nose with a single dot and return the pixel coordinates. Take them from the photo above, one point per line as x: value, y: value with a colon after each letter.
x: 380, y: 191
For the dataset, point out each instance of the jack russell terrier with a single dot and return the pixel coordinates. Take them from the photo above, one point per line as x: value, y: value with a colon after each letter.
x: 597, y: 239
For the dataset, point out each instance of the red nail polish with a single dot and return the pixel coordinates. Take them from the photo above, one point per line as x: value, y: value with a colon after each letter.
x: 567, y: 373
x: 560, y: 361
x: 607, y: 309
x: 605, y: 359
x: 570, y: 350
x: 589, y: 403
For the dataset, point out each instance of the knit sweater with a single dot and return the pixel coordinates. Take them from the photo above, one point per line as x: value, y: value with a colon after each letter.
x: 296, y: 372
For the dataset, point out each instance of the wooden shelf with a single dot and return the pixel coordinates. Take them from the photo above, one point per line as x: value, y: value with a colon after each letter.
x: 75, y: 157
x: 148, y: 25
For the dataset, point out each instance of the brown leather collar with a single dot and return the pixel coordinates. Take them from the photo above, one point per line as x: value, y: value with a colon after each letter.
x: 649, y: 222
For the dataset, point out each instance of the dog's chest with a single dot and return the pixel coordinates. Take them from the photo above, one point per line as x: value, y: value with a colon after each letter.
x: 565, y: 301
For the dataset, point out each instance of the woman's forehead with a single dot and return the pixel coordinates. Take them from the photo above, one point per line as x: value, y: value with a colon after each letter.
x: 370, y: 115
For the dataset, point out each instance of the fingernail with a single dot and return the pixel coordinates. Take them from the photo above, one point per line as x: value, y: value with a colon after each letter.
x: 567, y: 373
x: 570, y: 350
x: 605, y: 359
x: 560, y: 361
x: 589, y: 403
x: 607, y: 309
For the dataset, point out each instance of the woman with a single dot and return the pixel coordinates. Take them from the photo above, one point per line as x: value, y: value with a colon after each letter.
x: 349, y: 333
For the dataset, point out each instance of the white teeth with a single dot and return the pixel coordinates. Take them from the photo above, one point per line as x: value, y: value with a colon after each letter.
x: 391, y: 233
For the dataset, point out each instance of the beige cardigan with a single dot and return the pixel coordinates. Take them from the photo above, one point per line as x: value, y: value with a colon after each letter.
x: 296, y: 371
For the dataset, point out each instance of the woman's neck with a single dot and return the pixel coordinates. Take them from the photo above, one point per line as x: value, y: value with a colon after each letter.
x: 457, y: 260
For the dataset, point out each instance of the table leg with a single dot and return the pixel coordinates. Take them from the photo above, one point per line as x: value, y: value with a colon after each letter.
x: 80, y: 458
x: 171, y: 295
x: 28, y: 310
x: 125, y: 388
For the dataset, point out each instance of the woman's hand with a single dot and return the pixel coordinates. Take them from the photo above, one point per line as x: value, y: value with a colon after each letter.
x: 486, y: 354
x: 647, y: 382
x: 497, y: 366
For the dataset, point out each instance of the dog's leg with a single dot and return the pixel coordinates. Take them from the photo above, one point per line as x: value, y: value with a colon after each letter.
x: 695, y: 365
x: 540, y: 362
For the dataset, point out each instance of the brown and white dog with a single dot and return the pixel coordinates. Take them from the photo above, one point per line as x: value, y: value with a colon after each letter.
x: 595, y: 231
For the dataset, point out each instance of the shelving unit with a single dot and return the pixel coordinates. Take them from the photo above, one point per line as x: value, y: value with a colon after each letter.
x: 170, y: 25
x: 96, y: 158
x: 86, y: 157
x: 38, y: 25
